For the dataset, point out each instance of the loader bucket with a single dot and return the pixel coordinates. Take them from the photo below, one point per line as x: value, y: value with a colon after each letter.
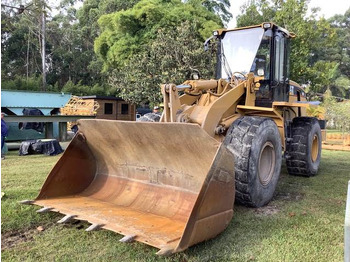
x: 169, y: 185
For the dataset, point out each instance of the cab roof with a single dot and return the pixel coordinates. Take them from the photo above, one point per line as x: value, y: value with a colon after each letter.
x: 265, y: 25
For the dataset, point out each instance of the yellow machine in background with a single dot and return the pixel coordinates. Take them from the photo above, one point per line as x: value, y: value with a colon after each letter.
x: 77, y: 106
x: 172, y: 184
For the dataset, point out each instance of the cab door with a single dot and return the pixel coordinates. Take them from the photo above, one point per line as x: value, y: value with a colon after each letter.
x: 280, y: 72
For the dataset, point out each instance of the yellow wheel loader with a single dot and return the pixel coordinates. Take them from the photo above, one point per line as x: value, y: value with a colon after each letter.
x: 172, y: 184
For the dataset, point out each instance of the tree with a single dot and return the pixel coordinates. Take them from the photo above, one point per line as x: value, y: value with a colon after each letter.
x: 337, y: 113
x: 219, y: 7
x: 25, y: 40
x: 88, y: 30
x: 18, y: 42
x: 168, y: 59
x: 28, y: 21
x: 70, y: 36
x: 341, y: 52
x: 256, y: 12
x: 151, y: 43
x: 127, y: 32
x: 70, y: 60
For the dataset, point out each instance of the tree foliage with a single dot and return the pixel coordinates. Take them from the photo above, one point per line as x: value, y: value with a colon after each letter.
x: 337, y: 113
x: 128, y: 48
x: 20, y: 41
x: 70, y: 36
x: 154, y: 42
x: 219, y: 7
x: 169, y: 58
x: 72, y: 65
x: 128, y: 32
x: 31, y: 83
x: 340, y: 53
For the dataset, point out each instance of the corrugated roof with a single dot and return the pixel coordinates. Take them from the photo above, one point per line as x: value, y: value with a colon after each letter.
x: 33, y: 99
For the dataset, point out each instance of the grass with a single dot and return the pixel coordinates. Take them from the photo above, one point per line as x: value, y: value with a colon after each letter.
x: 335, y: 131
x: 304, y: 222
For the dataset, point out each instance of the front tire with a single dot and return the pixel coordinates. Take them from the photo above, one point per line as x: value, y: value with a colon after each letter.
x: 256, y: 145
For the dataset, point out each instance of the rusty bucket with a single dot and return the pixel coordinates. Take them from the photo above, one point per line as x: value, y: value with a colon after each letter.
x: 169, y: 185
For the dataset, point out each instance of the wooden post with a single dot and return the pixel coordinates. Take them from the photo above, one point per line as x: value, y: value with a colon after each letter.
x: 62, y: 129
x: 49, y: 130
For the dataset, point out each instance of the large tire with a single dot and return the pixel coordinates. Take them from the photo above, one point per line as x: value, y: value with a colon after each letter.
x: 256, y: 145
x: 150, y: 117
x: 303, y: 152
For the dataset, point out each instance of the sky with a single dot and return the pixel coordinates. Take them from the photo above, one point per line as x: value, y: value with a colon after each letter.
x: 328, y: 8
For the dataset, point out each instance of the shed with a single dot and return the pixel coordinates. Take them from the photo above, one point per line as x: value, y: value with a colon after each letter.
x: 113, y: 108
x: 13, y: 102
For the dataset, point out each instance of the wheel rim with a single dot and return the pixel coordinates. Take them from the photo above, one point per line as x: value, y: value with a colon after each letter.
x: 267, y: 162
x: 314, y: 148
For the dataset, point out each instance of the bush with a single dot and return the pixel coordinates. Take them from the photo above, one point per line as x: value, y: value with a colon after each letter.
x: 337, y: 113
x: 84, y: 90
x: 22, y: 83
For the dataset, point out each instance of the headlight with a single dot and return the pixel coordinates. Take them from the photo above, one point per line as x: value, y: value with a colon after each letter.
x: 267, y: 25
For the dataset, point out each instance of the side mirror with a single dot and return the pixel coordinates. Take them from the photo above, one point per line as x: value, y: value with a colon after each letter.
x: 261, y: 72
x: 207, y: 43
x: 195, y: 75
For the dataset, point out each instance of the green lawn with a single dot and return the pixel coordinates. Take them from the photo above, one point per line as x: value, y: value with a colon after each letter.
x: 335, y: 131
x: 304, y: 222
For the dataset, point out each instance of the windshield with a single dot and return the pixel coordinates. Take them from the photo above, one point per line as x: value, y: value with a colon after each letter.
x: 238, y: 50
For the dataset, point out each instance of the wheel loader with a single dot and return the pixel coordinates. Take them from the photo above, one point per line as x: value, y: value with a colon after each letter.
x: 172, y: 184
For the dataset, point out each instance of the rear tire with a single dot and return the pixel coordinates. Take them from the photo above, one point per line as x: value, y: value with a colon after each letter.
x: 256, y: 145
x: 150, y: 117
x: 303, y: 152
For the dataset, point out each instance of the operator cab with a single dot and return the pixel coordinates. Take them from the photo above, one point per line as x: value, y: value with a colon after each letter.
x: 262, y: 50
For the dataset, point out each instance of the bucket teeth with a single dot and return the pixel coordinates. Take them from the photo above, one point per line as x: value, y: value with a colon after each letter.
x: 128, y: 239
x: 26, y: 202
x: 44, y: 210
x: 66, y: 219
x: 94, y: 227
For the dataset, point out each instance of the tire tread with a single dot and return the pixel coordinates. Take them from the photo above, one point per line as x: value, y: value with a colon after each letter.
x: 239, y: 139
x: 297, y: 148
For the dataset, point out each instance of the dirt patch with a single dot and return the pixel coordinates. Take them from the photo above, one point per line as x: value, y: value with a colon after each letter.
x: 77, y: 224
x: 266, y: 210
x: 13, y: 238
x: 287, y: 196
